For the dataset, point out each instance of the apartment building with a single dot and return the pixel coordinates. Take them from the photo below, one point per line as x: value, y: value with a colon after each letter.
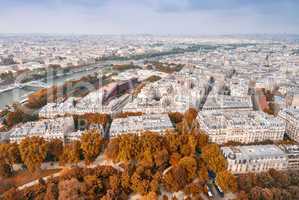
x: 291, y: 120
x: 292, y: 153
x: 138, y: 124
x: 175, y: 93
x: 225, y: 102
x: 241, y: 126
x: 47, y: 129
x: 255, y: 158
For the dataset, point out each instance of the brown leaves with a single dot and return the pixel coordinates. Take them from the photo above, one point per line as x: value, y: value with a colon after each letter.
x: 213, y: 158
x: 55, y: 149
x: 96, y: 118
x: 71, y: 153
x: 175, y: 179
x: 190, y: 165
x: 91, y: 142
x: 33, y: 152
x: 70, y: 189
x: 10, y: 153
x: 227, y: 181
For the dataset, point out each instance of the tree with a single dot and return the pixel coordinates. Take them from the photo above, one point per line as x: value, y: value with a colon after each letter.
x: 175, y: 179
x: 203, y: 174
x: 193, y: 189
x: 110, y: 194
x: 91, y: 142
x: 12, y: 194
x: 188, y: 122
x: 112, y: 149
x: 125, y: 180
x: 213, y: 158
x: 294, y: 176
x: 51, y: 192
x: 150, y: 196
x: 172, y: 141
x: 139, y: 185
x: 41, y: 97
x: 97, y: 118
x: 176, y: 117
x: 161, y: 158
x: 190, y: 165
x: 202, y: 140
x: 71, y: 153
x: 247, y: 181
x: 5, y: 169
x: 70, y: 190
x: 242, y: 195
x: 277, y: 193
x: 151, y: 141
x: 33, y: 152
x: 256, y: 193
x: 10, y: 153
x: 264, y: 179
x: 128, y: 148
x: 227, y: 181
x: 190, y: 115
x: 156, y: 179
x: 175, y: 158
x: 281, y: 179
x: 186, y: 150
x: 127, y: 114
x: 262, y: 193
x: 294, y: 191
x: 55, y: 149
x: 147, y: 159
x: 114, y: 182
x: 93, y: 187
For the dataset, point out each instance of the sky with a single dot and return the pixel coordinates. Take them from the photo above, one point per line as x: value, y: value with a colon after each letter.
x: 174, y: 17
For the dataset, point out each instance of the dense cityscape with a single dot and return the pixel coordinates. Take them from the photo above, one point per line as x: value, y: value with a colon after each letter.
x: 149, y: 117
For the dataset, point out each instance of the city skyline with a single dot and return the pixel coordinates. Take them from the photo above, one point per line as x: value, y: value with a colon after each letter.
x: 150, y: 17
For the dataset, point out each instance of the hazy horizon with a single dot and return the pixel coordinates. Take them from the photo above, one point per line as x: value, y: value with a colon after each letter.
x: 156, y: 17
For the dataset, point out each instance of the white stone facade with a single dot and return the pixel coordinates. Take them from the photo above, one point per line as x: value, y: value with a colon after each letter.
x: 138, y: 124
x: 291, y: 118
x: 47, y: 129
x: 255, y: 158
x: 240, y: 126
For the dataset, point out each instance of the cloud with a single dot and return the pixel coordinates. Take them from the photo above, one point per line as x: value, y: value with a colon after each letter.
x: 150, y: 16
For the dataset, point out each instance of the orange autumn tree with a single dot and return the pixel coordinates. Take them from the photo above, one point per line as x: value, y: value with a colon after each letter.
x: 127, y: 114
x: 188, y: 122
x: 41, y: 97
x: 33, y: 152
x: 213, y: 158
x: 71, y: 153
x: 189, y: 164
x: 176, y: 117
x: 96, y: 118
x: 10, y: 153
x: 112, y: 149
x: 227, y: 181
x: 55, y: 149
x: 91, y: 142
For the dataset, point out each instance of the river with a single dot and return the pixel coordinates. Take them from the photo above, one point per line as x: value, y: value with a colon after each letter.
x: 18, y: 94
